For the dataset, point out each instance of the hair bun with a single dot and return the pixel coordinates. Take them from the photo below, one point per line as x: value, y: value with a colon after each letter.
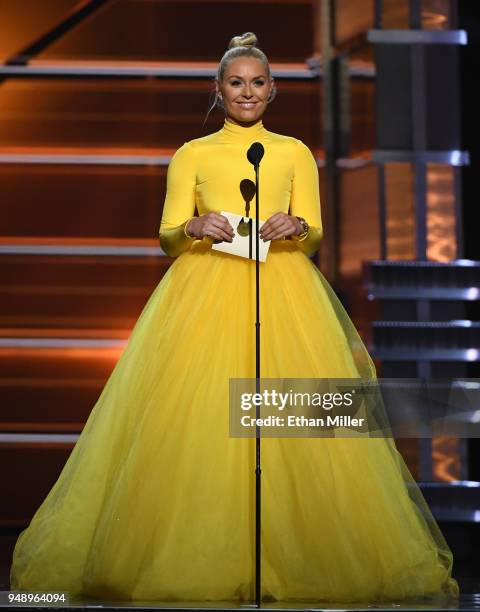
x: 247, y: 39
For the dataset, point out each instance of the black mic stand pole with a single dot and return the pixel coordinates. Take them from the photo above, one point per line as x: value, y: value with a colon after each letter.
x: 254, y: 155
x: 257, y: 407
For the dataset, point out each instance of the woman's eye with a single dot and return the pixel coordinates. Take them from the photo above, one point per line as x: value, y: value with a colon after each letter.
x: 257, y: 82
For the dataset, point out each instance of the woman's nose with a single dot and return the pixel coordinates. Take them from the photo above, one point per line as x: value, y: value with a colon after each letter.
x: 247, y: 91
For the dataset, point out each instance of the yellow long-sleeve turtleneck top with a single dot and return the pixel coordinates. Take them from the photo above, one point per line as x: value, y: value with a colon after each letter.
x: 212, y: 172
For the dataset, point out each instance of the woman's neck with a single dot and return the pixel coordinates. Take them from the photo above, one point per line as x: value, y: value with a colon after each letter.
x: 245, y: 124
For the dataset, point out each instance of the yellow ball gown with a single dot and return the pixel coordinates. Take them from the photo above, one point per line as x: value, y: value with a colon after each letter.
x: 156, y: 500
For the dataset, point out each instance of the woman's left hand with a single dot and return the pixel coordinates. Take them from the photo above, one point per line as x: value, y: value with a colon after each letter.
x: 280, y: 225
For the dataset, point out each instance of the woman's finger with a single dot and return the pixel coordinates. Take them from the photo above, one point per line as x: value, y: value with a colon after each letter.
x: 217, y: 232
x: 279, y: 230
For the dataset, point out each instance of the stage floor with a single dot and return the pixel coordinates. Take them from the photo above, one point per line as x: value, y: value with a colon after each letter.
x: 469, y: 600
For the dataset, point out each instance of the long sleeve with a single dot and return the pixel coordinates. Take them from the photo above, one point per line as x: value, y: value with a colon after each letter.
x: 179, y: 205
x: 305, y: 198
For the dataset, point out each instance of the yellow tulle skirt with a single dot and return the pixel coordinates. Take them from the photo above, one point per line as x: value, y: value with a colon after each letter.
x: 157, y: 501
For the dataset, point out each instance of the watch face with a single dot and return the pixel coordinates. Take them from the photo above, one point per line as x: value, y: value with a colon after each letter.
x: 303, y: 223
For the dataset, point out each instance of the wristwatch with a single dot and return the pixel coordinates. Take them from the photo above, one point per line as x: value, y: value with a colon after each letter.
x: 305, y: 230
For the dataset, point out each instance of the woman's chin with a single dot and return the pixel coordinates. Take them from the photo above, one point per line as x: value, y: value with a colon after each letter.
x: 247, y: 115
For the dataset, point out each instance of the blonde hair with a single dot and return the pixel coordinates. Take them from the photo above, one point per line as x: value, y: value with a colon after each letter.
x: 244, y: 45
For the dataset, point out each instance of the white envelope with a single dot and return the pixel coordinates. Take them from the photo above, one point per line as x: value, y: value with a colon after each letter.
x: 244, y: 239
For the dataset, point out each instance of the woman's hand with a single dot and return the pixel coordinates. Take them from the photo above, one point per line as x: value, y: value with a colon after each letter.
x: 280, y: 225
x: 211, y: 224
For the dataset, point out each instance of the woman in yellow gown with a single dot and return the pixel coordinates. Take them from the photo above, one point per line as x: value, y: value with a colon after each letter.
x: 156, y: 501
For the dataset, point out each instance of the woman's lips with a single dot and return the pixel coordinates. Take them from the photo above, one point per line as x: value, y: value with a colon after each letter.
x: 247, y: 105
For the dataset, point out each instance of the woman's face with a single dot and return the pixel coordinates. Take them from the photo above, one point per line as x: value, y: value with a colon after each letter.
x: 245, y: 90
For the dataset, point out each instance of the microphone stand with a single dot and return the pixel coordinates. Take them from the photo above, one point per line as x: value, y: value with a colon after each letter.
x: 257, y: 407
x: 254, y: 155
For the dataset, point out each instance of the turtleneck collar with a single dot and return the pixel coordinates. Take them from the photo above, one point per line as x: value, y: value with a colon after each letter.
x: 242, y: 134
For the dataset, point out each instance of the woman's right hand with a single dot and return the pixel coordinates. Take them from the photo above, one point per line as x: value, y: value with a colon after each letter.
x: 211, y: 224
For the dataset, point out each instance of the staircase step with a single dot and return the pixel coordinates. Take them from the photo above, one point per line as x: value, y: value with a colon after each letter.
x: 163, y: 35
x: 453, y: 501
x: 454, y: 280
x: 162, y: 113
x: 429, y: 340
x: 49, y: 389
x: 29, y: 486
x: 73, y: 285
x: 81, y: 201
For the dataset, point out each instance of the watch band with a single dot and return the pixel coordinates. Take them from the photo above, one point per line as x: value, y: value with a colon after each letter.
x: 305, y: 226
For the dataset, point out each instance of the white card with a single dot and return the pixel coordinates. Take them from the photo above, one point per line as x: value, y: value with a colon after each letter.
x: 244, y: 239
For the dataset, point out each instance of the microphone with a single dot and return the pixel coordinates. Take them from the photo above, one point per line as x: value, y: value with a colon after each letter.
x: 255, y: 153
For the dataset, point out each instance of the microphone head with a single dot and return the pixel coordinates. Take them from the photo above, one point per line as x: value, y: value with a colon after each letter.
x: 255, y: 153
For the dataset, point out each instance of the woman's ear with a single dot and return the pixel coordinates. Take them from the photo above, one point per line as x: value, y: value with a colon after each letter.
x: 272, y: 88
